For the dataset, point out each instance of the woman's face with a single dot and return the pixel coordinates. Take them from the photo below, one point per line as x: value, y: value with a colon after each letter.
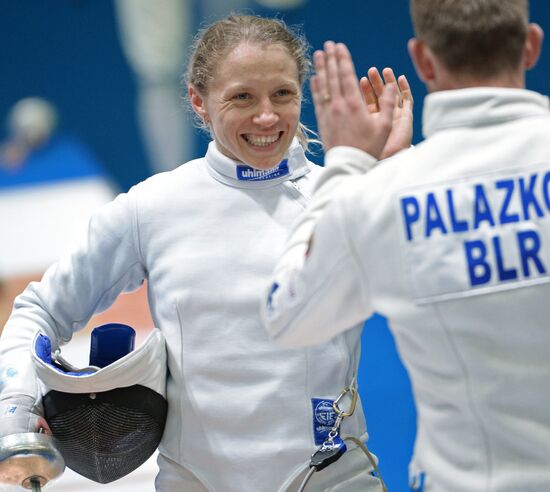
x: 253, y: 104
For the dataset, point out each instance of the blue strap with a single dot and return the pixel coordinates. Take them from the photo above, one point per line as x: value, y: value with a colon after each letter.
x: 111, y: 342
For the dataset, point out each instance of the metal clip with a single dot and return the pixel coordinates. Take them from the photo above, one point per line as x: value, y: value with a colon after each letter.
x: 353, y: 393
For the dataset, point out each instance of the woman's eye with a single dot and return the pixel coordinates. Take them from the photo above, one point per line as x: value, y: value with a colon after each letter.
x: 282, y: 93
x: 242, y: 96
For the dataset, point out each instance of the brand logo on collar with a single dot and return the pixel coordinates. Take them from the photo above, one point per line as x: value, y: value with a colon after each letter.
x: 247, y: 173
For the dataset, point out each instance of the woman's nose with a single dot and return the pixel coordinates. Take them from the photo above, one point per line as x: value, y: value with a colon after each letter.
x: 266, y: 115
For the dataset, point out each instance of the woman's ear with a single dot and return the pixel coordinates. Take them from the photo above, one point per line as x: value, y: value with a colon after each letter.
x: 197, y: 102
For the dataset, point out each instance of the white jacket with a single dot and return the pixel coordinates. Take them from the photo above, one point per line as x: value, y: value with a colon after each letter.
x: 241, y: 410
x: 450, y: 241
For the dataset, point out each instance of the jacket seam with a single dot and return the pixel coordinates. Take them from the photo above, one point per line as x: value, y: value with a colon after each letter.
x: 469, y: 396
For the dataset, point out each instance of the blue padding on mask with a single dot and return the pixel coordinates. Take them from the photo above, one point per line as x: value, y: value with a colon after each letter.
x: 111, y: 342
x: 43, y: 348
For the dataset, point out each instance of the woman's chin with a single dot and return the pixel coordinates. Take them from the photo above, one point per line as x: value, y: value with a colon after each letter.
x: 265, y: 165
x: 265, y: 160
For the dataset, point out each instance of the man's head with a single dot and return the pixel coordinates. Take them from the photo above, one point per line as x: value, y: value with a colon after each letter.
x: 464, y: 43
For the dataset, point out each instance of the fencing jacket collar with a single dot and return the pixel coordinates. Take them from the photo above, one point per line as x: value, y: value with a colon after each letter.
x: 233, y: 173
x: 479, y: 107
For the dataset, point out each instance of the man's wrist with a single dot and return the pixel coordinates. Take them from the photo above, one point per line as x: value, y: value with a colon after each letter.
x: 360, y: 159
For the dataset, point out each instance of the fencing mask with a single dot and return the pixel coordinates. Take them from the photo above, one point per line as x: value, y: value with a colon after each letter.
x: 108, y: 418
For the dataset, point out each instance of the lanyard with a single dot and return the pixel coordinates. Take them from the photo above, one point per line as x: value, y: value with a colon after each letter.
x: 334, y: 446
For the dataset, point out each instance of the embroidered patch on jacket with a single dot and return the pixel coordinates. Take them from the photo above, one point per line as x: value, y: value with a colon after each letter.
x: 324, y: 418
x: 247, y: 173
x: 10, y: 410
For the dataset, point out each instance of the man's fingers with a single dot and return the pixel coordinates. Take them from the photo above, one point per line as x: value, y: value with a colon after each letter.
x: 347, y: 75
x: 316, y: 95
x: 340, y: 99
x: 314, y: 86
x: 321, y: 84
x: 406, y: 93
x: 333, y: 78
x: 376, y: 81
x: 387, y: 102
x: 369, y: 95
x: 389, y: 78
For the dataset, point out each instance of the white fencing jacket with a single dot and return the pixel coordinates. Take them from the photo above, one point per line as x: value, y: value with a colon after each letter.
x: 244, y: 414
x: 450, y: 240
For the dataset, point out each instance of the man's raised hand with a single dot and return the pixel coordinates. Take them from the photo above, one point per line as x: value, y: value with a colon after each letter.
x: 402, y: 126
x: 343, y: 117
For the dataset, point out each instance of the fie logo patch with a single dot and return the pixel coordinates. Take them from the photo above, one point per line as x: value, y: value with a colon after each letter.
x: 324, y: 417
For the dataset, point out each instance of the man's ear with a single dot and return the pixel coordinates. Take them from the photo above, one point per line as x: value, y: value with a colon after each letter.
x: 533, y: 45
x: 422, y: 59
x: 197, y: 102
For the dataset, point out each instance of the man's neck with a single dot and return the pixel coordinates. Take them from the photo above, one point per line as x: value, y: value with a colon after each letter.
x: 448, y: 81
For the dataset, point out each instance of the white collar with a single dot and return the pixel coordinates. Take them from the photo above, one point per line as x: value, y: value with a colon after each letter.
x: 479, y: 106
x: 238, y: 174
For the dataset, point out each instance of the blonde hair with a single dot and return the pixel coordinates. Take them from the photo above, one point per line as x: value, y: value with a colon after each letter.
x: 214, y: 42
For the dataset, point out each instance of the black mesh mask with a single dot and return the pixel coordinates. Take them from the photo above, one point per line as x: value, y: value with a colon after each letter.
x: 106, y: 427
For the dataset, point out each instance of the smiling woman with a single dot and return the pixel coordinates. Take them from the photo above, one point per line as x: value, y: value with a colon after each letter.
x: 245, y: 83
x: 243, y: 414
x: 253, y: 104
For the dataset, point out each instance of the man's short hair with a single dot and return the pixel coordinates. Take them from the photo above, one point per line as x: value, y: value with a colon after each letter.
x: 482, y: 38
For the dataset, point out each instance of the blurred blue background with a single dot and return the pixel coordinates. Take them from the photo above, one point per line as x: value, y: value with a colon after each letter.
x: 69, y: 52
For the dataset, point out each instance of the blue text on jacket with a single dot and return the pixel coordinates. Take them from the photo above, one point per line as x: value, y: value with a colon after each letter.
x: 498, y: 222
